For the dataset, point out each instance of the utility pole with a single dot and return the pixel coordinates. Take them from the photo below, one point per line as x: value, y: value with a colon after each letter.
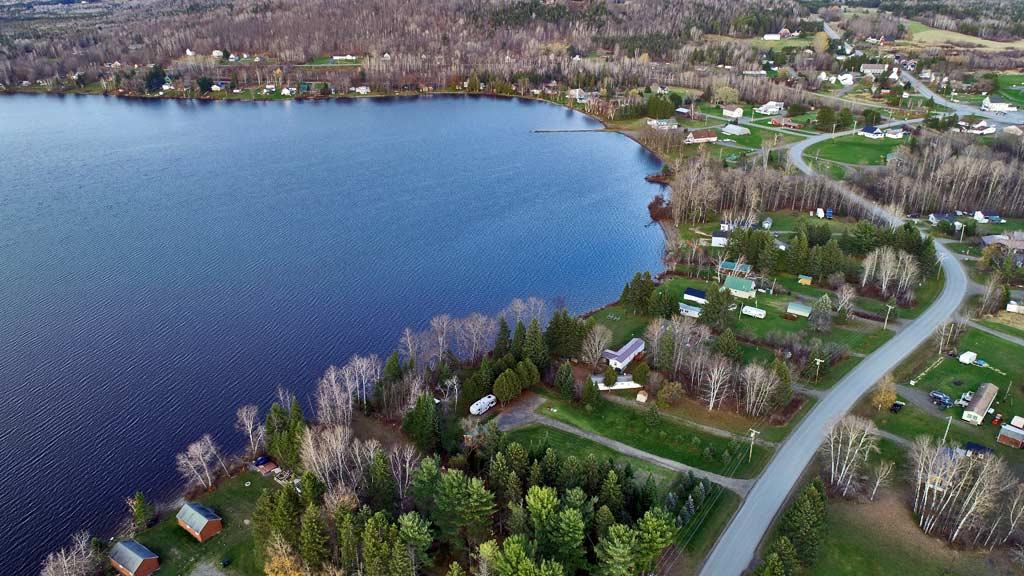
x: 948, y: 422
x: 753, y: 435
x: 888, y: 309
x: 818, y: 362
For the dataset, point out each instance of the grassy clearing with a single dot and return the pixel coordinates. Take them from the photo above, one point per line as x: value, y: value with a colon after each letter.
x: 234, y: 502
x: 1002, y: 355
x: 854, y: 149
x: 924, y: 35
x: 662, y: 437
x: 1006, y: 322
x: 881, y: 538
x: 758, y: 136
x: 624, y: 325
x: 327, y: 61
x: 566, y: 443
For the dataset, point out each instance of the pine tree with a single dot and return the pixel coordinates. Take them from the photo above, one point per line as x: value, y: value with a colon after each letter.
x: 616, y: 552
x: 313, y: 539
x: 519, y: 340
x: 535, y: 348
x: 425, y: 479
x: 535, y: 477
x: 414, y: 532
x: 393, y: 368
x: 542, y: 509
x: 141, y: 510
x: 507, y: 386
x: 503, y: 341
x: 654, y: 534
x: 421, y: 424
x: 564, y: 381
x: 456, y: 570
x: 570, y: 473
x: 348, y: 541
x: 772, y: 566
x: 784, y: 391
x: 716, y: 313
x: 380, y: 484
x: 401, y: 562
x: 784, y: 549
x: 603, y: 519
x: 378, y: 539
x: 797, y: 254
x: 567, y: 540
x: 527, y: 373
x: 285, y: 518
x: 262, y: 518
x: 727, y: 345
x: 611, y: 494
x: 312, y: 488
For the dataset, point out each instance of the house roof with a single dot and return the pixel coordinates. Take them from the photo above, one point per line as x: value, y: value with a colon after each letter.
x: 695, y: 293
x: 130, y: 554
x: 732, y: 266
x: 806, y: 277
x: 697, y: 134
x: 720, y: 234
x: 688, y: 308
x: 737, y: 283
x: 983, y: 398
x: 195, y: 515
x: 995, y: 99
x: 631, y: 348
x: 1013, y: 432
x: 730, y: 107
x: 870, y: 130
x: 794, y: 307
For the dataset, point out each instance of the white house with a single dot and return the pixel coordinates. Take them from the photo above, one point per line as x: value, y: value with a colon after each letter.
x: 217, y: 88
x: 621, y: 358
x: 742, y: 288
x: 189, y: 52
x: 980, y: 403
x: 997, y: 104
x: 980, y: 217
x: 719, y: 239
x: 845, y: 79
x: 701, y: 136
x: 217, y: 53
x: 980, y: 128
x: 735, y: 130
x: 872, y: 132
x: 894, y: 133
x: 362, y: 90
x: 770, y: 108
x: 874, y: 69
x: 1015, y: 307
x: 772, y: 37
x: 732, y: 111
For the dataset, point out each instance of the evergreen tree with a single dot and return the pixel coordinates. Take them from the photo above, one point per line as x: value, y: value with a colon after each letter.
x: 569, y: 475
x: 414, y: 532
x: 542, y: 510
x: 845, y: 119
x: 392, y: 368
x: 603, y: 519
x: 797, y: 254
x: 503, y: 342
x: 312, y: 488
x: 772, y: 566
x: 535, y: 477
x: 141, y: 510
x: 611, y: 494
x: 641, y: 373
x: 519, y: 340
x: 826, y: 119
x: 662, y: 304
x: 380, y: 484
x: 663, y: 358
x: 803, y: 523
x: 401, y: 561
x: 507, y: 386
x: 727, y: 345
x: 591, y: 394
x: 567, y: 537
x: 654, y: 533
x: 462, y: 511
x: 378, y: 538
x: 423, y: 484
x: 564, y: 382
x: 716, y: 313
x: 348, y: 541
x: 611, y: 376
x: 285, y: 518
x: 262, y: 518
x: 535, y: 347
x: 784, y: 391
x: 456, y: 570
x: 421, y: 424
x: 616, y: 552
x: 313, y: 539
x: 528, y: 374
x: 784, y: 549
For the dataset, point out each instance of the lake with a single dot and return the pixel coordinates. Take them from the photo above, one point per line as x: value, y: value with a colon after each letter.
x: 163, y: 262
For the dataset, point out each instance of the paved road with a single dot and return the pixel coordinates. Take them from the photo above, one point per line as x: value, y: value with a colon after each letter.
x: 832, y: 34
x: 734, y: 551
x: 960, y: 108
x: 524, y: 413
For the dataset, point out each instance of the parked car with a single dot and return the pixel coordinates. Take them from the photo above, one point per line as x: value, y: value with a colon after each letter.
x: 897, y: 406
x: 483, y: 405
x: 261, y: 461
x: 940, y: 397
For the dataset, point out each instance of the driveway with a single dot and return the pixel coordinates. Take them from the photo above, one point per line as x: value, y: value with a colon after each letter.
x: 523, y: 414
x: 1002, y: 335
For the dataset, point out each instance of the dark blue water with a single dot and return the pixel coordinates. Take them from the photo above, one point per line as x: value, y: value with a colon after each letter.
x: 162, y: 263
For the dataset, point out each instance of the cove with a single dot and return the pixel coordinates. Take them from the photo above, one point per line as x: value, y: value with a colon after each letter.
x: 163, y: 262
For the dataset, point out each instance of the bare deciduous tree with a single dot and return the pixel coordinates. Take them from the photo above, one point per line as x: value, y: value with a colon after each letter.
x: 847, y: 446
x: 247, y: 421
x: 759, y: 385
x: 716, y: 382
x: 403, y: 460
x: 595, y: 343
x: 882, y: 474
x: 76, y: 559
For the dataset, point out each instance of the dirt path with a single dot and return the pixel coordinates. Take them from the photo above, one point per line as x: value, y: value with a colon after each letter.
x: 523, y: 414
x: 207, y: 569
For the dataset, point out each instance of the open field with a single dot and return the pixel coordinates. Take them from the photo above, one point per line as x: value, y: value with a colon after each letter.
x: 1006, y: 322
x: 924, y: 35
x: 881, y: 538
x: 234, y: 501
x: 663, y: 437
x: 854, y: 149
x: 1011, y: 87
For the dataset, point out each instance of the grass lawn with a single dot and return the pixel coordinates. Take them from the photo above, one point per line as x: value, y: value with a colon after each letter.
x: 881, y: 538
x: 665, y: 438
x: 327, y: 61
x: 924, y: 35
x: 968, y: 248
x: 1002, y: 355
x: 854, y: 149
x: 624, y: 325
x: 1006, y: 322
x: 834, y: 375
x: 1011, y: 87
x: 566, y: 443
x: 234, y: 502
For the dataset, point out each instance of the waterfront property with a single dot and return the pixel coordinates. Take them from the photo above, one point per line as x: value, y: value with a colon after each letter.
x: 742, y: 288
x: 130, y: 558
x: 694, y: 295
x: 199, y: 521
x: 621, y: 358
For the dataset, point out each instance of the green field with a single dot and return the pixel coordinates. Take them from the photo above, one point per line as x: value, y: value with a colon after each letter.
x: 1000, y: 323
x: 327, y: 61
x: 854, y: 149
x: 1011, y: 87
x: 665, y: 438
x: 234, y: 502
x: 759, y: 135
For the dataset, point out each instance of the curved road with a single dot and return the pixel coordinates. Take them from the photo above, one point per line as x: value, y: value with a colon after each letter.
x: 961, y: 109
x: 734, y: 551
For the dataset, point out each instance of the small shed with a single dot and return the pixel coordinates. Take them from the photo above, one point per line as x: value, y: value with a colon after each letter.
x: 130, y: 558
x: 735, y: 130
x: 968, y: 357
x: 694, y: 295
x: 979, y: 405
x: 641, y: 396
x: 199, y: 521
x: 798, y: 309
x: 742, y: 288
x: 1011, y: 435
x: 805, y: 280
x: 719, y: 239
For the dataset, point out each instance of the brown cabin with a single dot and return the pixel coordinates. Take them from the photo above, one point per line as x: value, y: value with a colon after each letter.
x: 199, y: 521
x: 130, y: 558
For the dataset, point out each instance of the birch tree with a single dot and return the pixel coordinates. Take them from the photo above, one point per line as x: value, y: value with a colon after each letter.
x: 717, y: 381
x: 848, y: 444
x: 76, y: 559
x: 595, y: 343
x: 759, y: 385
x: 882, y: 474
x: 248, y: 422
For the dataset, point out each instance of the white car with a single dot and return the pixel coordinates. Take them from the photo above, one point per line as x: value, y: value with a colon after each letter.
x: 483, y: 405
